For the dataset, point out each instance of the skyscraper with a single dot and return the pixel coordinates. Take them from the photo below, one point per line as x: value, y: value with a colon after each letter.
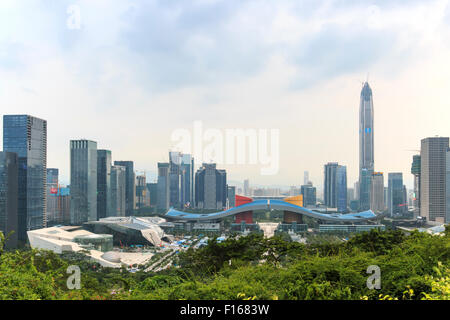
x: 305, y: 178
x: 118, y: 192
x: 335, y: 186
x: 309, y: 194
x: 415, y: 170
x: 329, y: 185
x: 103, y: 183
x: 9, y: 170
x: 130, y: 192
x: 341, y: 188
x: 447, y: 186
x: 396, y: 203
x: 53, y: 213
x: 27, y: 137
x: 141, y: 191
x: 83, y: 181
x: 247, y: 187
x: 432, y: 178
x: 231, y: 196
x: 366, y: 146
x: 187, y: 180
x: 210, y: 187
x: 163, y: 185
x: 377, y: 193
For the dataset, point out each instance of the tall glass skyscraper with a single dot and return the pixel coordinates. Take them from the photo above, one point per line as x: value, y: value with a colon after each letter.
x: 366, y: 146
x: 8, y: 196
x: 341, y: 182
x: 103, y: 183
x: 83, y: 181
x: 27, y: 136
x: 130, y: 186
x: 396, y: 199
x: 335, y: 186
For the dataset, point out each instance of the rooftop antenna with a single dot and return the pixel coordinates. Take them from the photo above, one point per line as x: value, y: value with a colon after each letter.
x: 367, y: 79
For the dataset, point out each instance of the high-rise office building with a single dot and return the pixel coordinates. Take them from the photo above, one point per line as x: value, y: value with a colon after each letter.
x: 231, y: 196
x: 377, y: 193
x: 118, y: 192
x: 305, y: 178
x: 181, y: 179
x: 415, y: 170
x: 163, y: 187
x: 83, y: 181
x: 27, y: 137
x: 364, y: 189
x: 141, y: 191
x: 366, y: 146
x: 9, y: 171
x: 335, y: 186
x: 247, y: 188
x: 341, y: 182
x: 153, y: 192
x: 447, y: 186
x: 187, y: 180
x: 175, y: 179
x: 396, y: 204
x: 309, y: 194
x: 130, y: 197
x: 210, y: 187
x: 53, y: 214
x: 103, y: 183
x: 329, y: 185
x: 432, y: 178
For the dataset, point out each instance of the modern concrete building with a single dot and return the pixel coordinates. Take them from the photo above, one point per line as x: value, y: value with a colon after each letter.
x: 130, y: 186
x: 118, y: 192
x: 103, y: 183
x: 377, y: 193
x: 9, y: 170
x: 210, y: 187
x: 27, y: 137
x: 366, y: 145
x: 83, y: 181
x: 432, y: 178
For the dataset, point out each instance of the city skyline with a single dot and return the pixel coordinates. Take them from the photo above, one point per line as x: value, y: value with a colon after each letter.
x: 298, y: 59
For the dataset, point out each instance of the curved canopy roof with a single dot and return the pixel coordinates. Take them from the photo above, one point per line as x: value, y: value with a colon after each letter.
x: 266, y: 204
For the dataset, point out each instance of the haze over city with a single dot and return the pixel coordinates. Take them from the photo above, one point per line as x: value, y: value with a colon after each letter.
x: 127, y: 74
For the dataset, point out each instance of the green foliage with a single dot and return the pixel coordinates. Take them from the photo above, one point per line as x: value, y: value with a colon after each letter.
x: 414, y: 266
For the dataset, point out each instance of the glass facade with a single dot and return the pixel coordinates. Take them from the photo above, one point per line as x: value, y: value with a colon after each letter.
x: 27, y: 137
x: 8, y: 196
x: 130, y: 191
x: 83, y: 181
x: 396, y: 203
x: 118, y: 192
x: 103, y: 183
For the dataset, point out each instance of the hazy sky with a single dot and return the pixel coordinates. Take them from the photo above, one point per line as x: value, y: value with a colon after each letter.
x: 135, y: 71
